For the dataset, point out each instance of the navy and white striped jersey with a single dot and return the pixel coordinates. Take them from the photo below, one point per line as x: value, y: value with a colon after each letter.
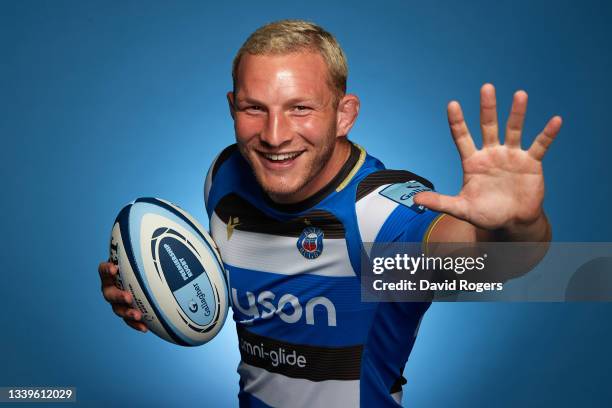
x: 305, y: 337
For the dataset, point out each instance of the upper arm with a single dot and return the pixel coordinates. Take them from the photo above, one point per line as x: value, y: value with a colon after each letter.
x: 385, y: 209
x: 451, y: 229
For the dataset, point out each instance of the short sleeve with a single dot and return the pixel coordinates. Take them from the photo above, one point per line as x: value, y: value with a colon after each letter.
x: 386, y: 211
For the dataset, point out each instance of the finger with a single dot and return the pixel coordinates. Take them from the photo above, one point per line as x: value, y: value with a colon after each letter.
x: 459, y: 130
x: 488, y: 116
x: 107, y: 268
x: 126, y: 312
x: 454, y: 206
x: 115, y: 295
x: 514, y: 126
x: 107, y: 271
x: 136, y: 325
x: 545, y: 138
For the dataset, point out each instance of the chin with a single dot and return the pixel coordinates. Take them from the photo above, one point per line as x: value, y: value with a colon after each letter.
x: 280, y: 187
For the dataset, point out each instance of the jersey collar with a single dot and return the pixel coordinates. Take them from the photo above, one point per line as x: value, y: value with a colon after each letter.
x: 339, y: 182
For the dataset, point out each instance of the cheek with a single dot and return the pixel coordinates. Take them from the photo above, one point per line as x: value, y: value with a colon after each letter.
x: 247, y: 127
x: 314, y: 129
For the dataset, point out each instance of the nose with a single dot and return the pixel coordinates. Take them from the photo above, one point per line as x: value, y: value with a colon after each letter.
x: 277, y: 130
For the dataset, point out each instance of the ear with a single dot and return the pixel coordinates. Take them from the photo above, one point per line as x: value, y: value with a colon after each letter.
x: 346, y: 114
x: 230, y: 101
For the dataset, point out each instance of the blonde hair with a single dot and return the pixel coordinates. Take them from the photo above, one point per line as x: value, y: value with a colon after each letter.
x: 288, y: 36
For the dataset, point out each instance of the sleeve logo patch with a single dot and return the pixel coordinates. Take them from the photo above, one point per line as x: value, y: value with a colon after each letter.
x: 403, y: 193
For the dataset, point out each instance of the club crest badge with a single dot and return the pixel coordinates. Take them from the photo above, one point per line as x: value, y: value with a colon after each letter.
x: 310, y: 242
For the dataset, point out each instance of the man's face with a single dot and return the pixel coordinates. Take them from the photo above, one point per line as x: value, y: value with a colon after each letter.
x: 285, y: 120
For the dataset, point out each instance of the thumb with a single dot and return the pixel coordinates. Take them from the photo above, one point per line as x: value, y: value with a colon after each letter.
x: 441, y: 203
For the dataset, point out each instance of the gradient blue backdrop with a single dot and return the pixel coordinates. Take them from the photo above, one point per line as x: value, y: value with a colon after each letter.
x: 102, y: 102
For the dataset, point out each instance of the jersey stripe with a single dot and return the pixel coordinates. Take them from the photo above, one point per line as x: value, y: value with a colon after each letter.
x: 394, y: 229
x: 277, y: 390
x: 278, y: 254
x: 430, y: 229
x: 288, y: 310
x: 246, y: 217
x: 314, y: 363
x: 370, y: 222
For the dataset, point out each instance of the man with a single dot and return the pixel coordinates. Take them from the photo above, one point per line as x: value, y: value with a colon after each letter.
x: 291, y: 203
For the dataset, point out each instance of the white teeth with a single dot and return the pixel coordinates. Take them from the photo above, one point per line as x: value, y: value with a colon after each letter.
x: 282, y: 156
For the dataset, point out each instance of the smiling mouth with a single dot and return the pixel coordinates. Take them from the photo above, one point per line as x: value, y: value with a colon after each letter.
x: 280, y: 158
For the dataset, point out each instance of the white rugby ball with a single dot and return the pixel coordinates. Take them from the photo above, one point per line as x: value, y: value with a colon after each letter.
x: 173, y: 270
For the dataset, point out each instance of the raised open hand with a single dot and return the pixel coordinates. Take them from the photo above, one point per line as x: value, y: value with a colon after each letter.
x: 503, y: 185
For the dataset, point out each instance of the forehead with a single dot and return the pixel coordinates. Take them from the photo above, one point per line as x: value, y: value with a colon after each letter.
x: 288, y: 75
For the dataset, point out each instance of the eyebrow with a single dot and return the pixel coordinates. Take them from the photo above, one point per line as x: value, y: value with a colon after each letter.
x: 292, y: 101
x: 299, y: 100
x: 249, y: 100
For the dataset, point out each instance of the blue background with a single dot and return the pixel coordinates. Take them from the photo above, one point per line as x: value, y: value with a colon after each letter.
x: 102, y: 102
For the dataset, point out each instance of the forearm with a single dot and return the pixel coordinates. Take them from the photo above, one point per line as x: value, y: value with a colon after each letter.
x: 537, y: 231
x: 511, y: 261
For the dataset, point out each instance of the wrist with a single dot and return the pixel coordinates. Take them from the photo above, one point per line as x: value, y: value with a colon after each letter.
x: 539, y: 230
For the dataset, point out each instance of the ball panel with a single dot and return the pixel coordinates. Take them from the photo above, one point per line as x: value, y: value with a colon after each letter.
x: 179, y: 261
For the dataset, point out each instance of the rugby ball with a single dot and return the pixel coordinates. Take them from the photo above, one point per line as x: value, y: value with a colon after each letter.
x: 173, y: 270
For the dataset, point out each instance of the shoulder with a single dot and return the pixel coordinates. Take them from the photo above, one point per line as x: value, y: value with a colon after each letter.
x: 216, y: 164
x: 385, y: 177
x: 385, y: 208
x: 229, y: 173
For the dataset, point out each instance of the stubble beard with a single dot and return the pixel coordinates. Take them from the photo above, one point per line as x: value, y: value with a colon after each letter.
x: 280, y: 191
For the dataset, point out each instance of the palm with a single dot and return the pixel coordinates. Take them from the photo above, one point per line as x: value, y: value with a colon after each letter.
x: 502, y: 183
